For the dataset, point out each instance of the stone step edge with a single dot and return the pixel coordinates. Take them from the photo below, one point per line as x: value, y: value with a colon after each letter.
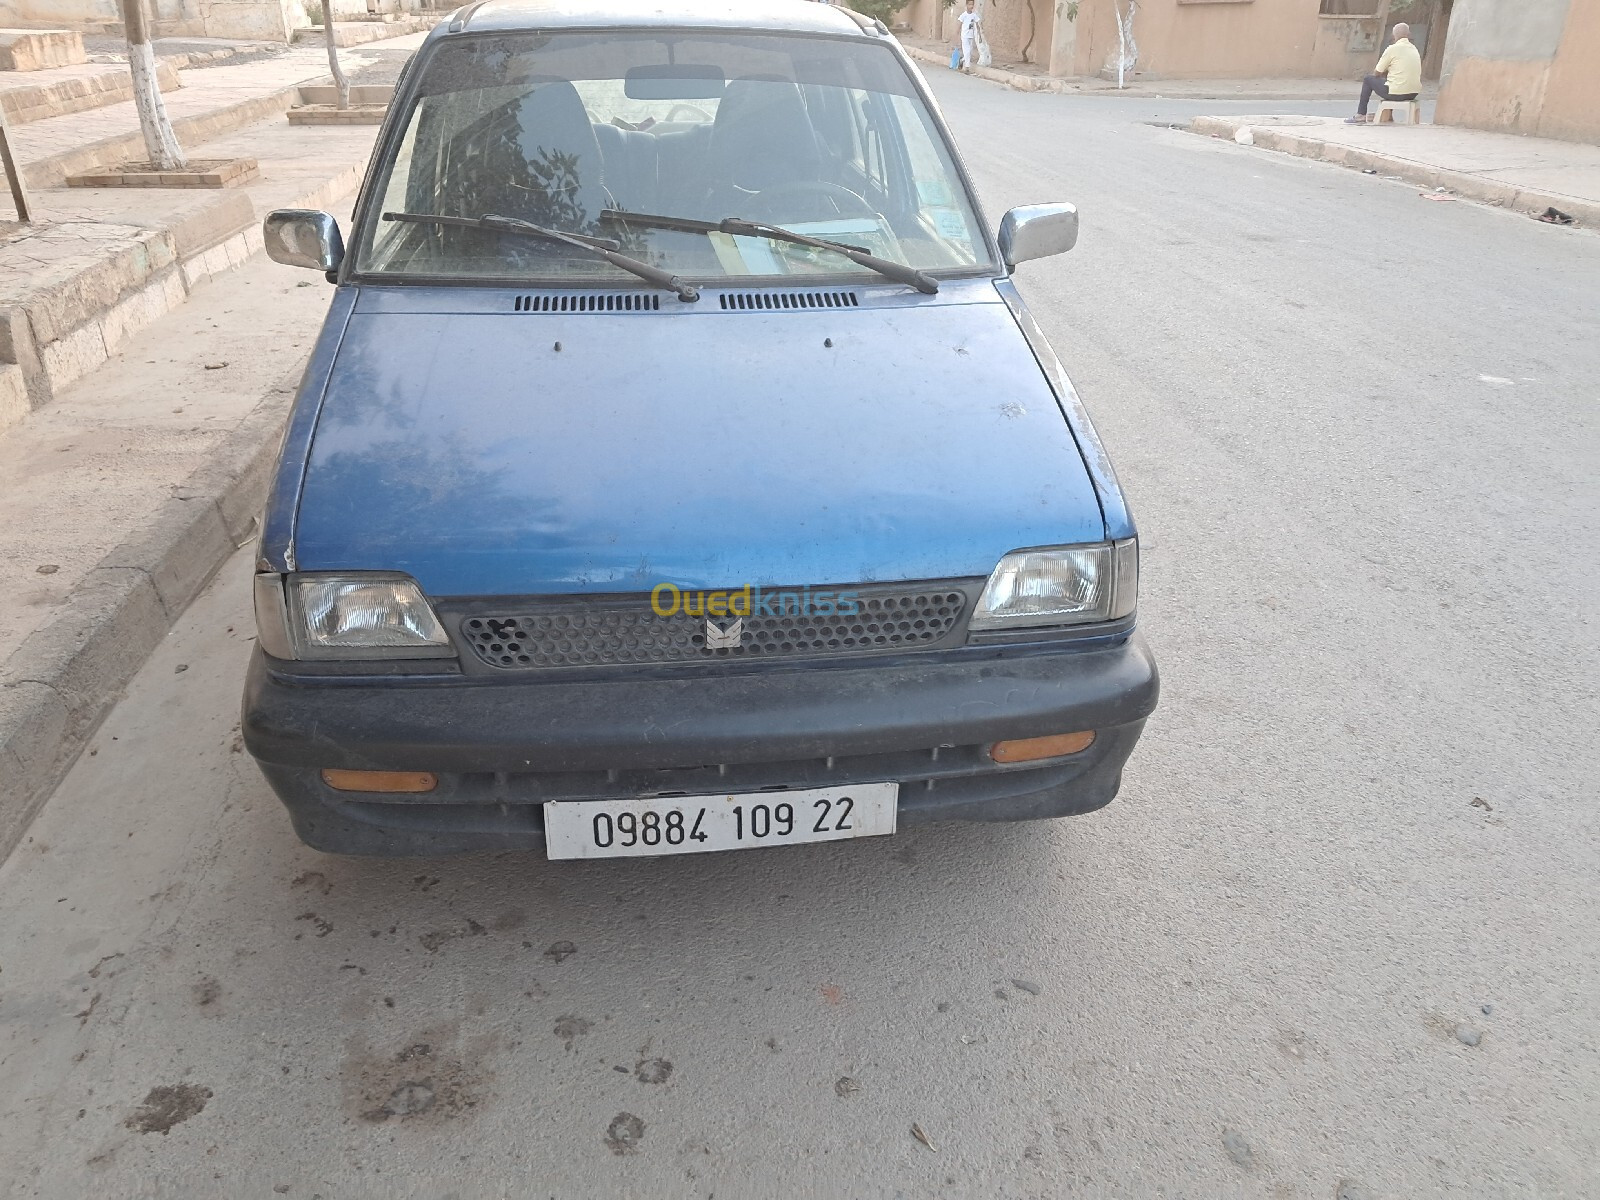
x: 62, y: 97
x: 1462, y: 183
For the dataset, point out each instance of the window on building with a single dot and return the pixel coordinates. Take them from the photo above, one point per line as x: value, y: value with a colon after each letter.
x: 1349, y: 8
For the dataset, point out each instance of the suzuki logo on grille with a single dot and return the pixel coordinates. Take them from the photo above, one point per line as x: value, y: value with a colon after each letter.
x: 724, y: 637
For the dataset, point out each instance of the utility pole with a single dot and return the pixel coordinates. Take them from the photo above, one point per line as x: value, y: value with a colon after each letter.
x: 159, y: 141
x: 19, y: 185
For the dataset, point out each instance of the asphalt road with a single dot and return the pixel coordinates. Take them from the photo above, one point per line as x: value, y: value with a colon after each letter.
x: 1338, y: 937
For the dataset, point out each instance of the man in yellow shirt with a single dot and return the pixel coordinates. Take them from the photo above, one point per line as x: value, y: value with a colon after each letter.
x: 1398, y: 75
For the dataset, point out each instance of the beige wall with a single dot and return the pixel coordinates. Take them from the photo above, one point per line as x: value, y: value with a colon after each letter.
x: 1571, y: 106
x: 1228, y: 39
x: 1177, y: 39
x: 1524, y: 66
x: 1017, y: 30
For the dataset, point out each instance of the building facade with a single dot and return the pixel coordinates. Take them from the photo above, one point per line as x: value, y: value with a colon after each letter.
x: 1198, y: 39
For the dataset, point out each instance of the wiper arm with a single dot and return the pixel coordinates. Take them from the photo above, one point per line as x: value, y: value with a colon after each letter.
x: 898, y: 272
x: 599, y: 247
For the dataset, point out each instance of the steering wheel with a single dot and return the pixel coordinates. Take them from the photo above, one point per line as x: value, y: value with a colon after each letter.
x: 699, y: 113
x: 770, y: 203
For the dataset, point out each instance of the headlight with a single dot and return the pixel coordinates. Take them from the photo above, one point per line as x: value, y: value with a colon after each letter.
x: 348, y: 616
x: 1060, y: 585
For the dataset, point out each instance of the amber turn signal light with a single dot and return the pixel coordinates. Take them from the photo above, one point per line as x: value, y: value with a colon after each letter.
x: 381, y: 781
x: 1054, y: 746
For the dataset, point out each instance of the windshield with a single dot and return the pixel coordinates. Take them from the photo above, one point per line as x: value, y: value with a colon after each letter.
x: 824, y: 137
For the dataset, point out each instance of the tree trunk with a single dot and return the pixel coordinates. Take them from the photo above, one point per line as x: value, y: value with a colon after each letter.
x: 339, y: 81
x: 1382, y: 18
x: 160, y: 143
x: 1127, y: 48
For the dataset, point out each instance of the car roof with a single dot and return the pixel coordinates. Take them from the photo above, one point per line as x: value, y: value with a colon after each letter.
x: 765, y: 16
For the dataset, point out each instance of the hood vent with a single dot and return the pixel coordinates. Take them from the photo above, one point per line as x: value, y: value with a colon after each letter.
x: 576, y: 302
x: 765, y: 301
x: 607, y: 302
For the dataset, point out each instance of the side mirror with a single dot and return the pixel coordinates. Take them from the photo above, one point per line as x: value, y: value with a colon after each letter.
x: 303, y: 237
x: 1037, y: 231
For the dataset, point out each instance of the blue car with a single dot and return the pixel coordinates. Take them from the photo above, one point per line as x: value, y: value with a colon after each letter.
x: 678, y: 468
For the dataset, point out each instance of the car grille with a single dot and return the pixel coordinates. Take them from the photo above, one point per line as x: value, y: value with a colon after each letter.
x: 623, y: 630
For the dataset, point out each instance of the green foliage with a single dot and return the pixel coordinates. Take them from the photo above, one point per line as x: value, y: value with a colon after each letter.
x: 881, y: 10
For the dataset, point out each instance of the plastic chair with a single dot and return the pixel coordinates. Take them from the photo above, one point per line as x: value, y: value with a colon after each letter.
x: 1388, y: 112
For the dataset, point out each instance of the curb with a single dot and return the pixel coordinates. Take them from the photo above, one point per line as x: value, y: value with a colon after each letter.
x: 1468, y: 186
x: 1019, y: 83
x: 62, y: 681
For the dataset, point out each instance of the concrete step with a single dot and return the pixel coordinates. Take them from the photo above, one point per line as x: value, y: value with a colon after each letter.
x: 37, y: 49
x: 73, y: 89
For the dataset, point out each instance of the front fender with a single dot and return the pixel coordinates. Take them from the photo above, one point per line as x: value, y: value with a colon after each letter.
x: 276, y: 551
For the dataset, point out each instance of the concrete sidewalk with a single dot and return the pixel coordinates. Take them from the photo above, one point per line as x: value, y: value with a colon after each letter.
x: 1525, y: 174
x: 1032, y: 77
x: 165, y: 354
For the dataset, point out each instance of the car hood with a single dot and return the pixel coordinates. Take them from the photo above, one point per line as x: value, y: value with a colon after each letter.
x: 496, y: 452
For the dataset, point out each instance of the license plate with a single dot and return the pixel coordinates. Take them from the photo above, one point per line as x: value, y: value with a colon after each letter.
x: 651, y: 825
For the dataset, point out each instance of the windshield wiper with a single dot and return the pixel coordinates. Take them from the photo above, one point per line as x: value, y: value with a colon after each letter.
x: 898, y: 272
x: 600, y: 247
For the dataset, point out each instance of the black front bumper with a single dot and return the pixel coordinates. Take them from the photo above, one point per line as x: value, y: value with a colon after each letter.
x: 502, y: 748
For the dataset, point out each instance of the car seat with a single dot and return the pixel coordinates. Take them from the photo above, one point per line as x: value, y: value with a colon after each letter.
x: 538, y: 160
x: 762, y: 139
